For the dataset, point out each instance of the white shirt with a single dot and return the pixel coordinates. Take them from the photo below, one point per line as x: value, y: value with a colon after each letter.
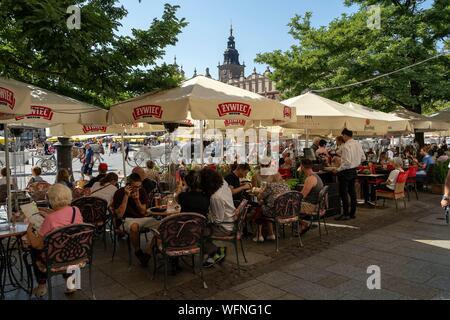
x: 390, y: 154
x: 393, y: 179
x: 352, y: 155
x: 107, y: 193
x: 221, y: 207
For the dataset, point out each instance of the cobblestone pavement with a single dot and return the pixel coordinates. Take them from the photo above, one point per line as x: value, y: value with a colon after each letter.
x: 411, y: 247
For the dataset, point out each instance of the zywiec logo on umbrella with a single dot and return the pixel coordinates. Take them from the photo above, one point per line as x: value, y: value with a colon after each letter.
x: 148, y: 111
x: 90, y: 129
x: 287, y: 112
x: 234, y: 108
x: 38, y: 112
x: 7, y: 98
x: 234, y: 122
x: 187, y: 122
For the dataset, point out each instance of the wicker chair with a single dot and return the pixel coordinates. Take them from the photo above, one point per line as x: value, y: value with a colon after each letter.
x: 238, y: 226
x: 179, y: 235
x: 65, y: 247
x: 397, y: 193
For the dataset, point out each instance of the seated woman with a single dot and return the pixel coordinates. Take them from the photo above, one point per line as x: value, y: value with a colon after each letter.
x: 274, y: 188
x: 35, y: 176
x: 389, y: 184
x: 322, y: 152
x: 61, y: 215
x: 63, y: 177
x: 383, y: 159
x: 193, y: 199
x: 310, y: 192
x: 286, y: 169
x: 106, y: 187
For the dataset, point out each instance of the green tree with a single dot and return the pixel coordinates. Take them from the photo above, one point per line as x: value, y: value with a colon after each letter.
x: 347, y: 51
x: 93, y: 63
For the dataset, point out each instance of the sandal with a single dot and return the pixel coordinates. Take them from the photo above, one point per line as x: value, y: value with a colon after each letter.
x: 39, y: 292
x: 271, y: 238
x: 258, y: 239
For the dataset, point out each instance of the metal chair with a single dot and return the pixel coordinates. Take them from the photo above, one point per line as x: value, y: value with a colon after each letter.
x: 94, y: 210
x: 411, y: 182
x: 65, y: 247
x: 117, y: 230
x: 287, y: 211
x: 235, y: 236
x: 177, y: 236
x: 322, y: 209
x: 397, y: 193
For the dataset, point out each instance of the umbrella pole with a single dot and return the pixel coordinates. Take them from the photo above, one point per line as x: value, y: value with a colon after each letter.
x: 123, y: 156
x: 201, y: 142
x: 8, y: 173
x: 306, y: 138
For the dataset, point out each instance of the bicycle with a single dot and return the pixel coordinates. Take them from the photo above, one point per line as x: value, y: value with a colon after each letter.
x: 47, y: 163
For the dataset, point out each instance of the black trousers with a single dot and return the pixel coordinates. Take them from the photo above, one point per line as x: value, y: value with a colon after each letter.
x: 346, y: 179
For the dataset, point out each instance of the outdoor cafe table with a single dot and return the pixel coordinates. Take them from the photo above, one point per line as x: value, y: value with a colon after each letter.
x: 363, y: 177
x: 164, y: 214
x: 8, y: 261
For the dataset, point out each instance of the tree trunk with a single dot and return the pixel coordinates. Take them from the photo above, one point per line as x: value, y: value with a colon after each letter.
x: 420, y: 138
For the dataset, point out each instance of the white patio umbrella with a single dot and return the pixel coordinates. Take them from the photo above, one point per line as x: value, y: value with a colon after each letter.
x: 319, y: 115
x: 73, y: 129
x: 381, y: 122
x: 204, y: 98
x: 36, y: 107
x: 421, y: 123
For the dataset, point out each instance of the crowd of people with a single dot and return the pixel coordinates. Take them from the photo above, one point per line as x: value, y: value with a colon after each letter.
x: 209, y: 192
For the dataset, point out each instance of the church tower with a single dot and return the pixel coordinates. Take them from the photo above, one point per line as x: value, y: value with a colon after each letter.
x: 231, y: 69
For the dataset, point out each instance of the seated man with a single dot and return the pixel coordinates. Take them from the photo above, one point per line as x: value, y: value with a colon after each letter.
x: 221, y: 213
x: 131, y: 203
x: 234, y: 182
x: 148, y: 184
x: 102, y: 171
x: 427, y: 161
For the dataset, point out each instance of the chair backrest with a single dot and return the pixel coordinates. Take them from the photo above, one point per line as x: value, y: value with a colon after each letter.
x: 412, y: 172
x: 38, y: 190
x: 322, y: 206
x: 182, y: 230
x: 288, y: 204
x: 94, y: 210
x: 240, y: 214
x: 401, y: 181
x: 68, y: 245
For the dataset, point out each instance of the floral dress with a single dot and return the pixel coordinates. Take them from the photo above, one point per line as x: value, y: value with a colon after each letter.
x: 272, y: 191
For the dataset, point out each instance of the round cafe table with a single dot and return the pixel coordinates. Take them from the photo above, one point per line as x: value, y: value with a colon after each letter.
x: 9, y: 261
x: 167, y: 213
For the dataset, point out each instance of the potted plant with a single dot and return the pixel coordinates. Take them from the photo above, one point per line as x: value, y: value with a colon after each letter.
x: 440, y: 171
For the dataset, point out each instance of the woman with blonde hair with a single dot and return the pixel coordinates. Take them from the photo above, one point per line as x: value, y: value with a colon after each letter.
x: 60, y: 215
x: 274, y: 187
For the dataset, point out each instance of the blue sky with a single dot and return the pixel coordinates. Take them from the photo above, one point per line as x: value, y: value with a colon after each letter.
x: 259, y: 26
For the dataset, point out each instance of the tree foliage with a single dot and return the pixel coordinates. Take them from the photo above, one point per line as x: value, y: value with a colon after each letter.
x: 347, y: 51
x: 92, y: 63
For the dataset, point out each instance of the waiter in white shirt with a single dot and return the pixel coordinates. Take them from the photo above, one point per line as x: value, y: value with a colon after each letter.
x: 352, y: 156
